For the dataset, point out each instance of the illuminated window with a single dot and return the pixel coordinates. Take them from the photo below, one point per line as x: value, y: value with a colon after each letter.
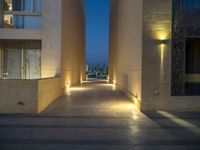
x: 21, y: 13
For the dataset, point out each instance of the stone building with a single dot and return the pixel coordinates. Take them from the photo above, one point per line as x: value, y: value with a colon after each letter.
x: 155, y: 52
x: 39, y: 51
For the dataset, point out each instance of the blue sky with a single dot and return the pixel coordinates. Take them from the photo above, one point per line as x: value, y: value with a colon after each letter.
x: 97, y: 31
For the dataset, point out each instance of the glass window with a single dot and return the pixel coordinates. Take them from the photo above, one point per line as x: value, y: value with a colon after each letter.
x: 21, y: 64
x: 192, y: 69
x: 32, y: 64
x: 22, y: 14
x: 12, y: 64
x: 28, y: 5
x: 192, y: 4
x: 20, y: 59
x: 192, y: 56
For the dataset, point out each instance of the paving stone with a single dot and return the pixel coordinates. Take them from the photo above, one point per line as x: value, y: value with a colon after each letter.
x: 98, y: 116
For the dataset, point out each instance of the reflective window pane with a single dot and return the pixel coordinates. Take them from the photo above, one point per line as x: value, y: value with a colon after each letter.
x: 7, y: 5
x: 8, y: 21
x: 32, y: 64
x: 27, y: 5
x: 192, y: 4
x: 12, y: 64
x: 17, y: 14
x: 17, y: 5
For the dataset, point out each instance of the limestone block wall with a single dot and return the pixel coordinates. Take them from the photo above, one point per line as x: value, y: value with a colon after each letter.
x: 139, y: 63
x: 35, y: 95
x: 156, y: 61
x: 48, y: 91
x: 126, y: 45
x: 156, y: 72
x: 51, y: 38
x: 14, y: 91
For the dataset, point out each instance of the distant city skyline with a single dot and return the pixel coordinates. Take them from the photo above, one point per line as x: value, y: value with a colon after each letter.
x: 97, y: 31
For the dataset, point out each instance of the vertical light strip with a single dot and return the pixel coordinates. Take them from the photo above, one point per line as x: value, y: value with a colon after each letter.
x: 22, y: 64
x: 162, y: 52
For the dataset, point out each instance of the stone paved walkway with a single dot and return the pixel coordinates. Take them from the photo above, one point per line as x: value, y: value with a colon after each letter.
x: 98, y: 116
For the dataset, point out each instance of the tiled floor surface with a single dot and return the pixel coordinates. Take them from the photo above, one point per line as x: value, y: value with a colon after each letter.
x: 98, y: 116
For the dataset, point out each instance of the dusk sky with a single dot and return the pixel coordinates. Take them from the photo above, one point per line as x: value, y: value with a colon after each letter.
x: 97, y: 31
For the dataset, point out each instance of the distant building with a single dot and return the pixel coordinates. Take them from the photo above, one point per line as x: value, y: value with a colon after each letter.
x: 87, y: 68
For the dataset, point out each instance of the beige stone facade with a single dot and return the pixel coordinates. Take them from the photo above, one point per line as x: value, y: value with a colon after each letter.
x: 28, y: 96
x: 126, y: 45
x: 140, y: 61
x: 62, y: 35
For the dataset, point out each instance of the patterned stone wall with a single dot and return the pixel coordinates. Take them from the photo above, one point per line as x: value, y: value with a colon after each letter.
x: 186, y: 24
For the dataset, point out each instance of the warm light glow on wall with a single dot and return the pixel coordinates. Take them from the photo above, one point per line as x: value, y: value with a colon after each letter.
x: 162, y: 48
x: 81, y: 80
x: 137, y: 102
x: 161, y: 35
x: 114, y: 82
x: 114, y: 85
x: 67, y: 85
x: 108, y: 79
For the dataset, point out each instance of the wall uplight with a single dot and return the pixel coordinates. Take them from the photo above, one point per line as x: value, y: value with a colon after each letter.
x: 67, y: 86
x: 81, y: 80
x: 114, y: 82
x: 163, y: 42
x: 108, y: 79
x: 161, y: 34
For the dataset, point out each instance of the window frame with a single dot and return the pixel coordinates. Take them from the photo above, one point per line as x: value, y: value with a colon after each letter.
x: 22, y: 64
x: 18, y: 13
x: 23, y: 46
x: 23, y: 13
